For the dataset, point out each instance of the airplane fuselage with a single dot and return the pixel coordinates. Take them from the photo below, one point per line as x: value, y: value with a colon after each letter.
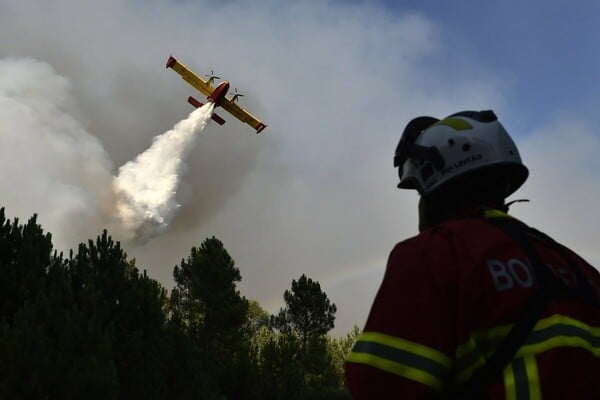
x: 219, y: 93
x: 216, y: 95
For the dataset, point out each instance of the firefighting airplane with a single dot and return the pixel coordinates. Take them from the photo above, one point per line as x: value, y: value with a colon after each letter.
x: 215, y: 94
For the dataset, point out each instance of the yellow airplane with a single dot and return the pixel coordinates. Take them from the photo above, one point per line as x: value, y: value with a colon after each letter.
x: 215, y: 95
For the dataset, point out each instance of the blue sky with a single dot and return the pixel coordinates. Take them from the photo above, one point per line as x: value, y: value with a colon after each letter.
x: 84, y: 90
x: 547, y: 49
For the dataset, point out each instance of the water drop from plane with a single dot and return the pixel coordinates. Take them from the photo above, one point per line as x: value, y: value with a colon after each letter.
x: 145, y: 187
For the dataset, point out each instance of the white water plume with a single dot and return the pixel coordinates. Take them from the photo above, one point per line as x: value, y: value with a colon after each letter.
x: 145, y: 188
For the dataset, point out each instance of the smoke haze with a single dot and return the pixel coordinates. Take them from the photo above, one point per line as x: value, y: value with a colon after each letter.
x: 50, y: 164
x: 83, y: 91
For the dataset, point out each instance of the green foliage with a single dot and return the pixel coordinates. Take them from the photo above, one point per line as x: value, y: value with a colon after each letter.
x: 25, y: 253
x: 49, y: 347
x: 308, y: 312
x: 111, y: 289
x: 256, y: 318
x: 213, y: 312
x: 93, y: 326
x: 339, y: 348
x: 205, y: 295
x: 280, y: 373
x: 308, y: 316
x: 48, y: 344
x: 280, y: 368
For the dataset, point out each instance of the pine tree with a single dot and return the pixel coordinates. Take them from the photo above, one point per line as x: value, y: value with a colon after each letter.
x: 213, y: 312
x: 110, y: 289
x: 308, y: 311
x: 49, y: 347
x: 25, y: 254
x: 308, y: 315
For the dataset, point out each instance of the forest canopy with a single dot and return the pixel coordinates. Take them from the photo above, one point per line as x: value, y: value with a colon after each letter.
x: 92, y: 325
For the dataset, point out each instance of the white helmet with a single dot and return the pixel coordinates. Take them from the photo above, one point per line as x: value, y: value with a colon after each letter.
x: 433, y: 152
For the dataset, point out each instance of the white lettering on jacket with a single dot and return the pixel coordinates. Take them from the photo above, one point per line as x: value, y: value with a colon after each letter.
x: 506, y: 275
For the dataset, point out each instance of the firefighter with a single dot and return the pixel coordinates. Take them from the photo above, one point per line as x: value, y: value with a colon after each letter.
x: 478, y: 305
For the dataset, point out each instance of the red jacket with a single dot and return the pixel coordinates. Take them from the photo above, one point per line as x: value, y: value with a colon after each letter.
x: 448, y: 297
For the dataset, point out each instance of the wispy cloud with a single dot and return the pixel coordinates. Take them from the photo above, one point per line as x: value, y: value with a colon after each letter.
x: 563, y: 185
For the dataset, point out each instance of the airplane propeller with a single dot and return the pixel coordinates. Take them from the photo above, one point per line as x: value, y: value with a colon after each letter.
x: 212, y: 75
x: 236, y: 95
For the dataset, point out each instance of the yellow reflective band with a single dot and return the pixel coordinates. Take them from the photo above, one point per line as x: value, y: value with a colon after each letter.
x: 407, y: 345
x: 509, y: 383
x: 402, y: 357
x: 493, y: 213
x: 542, y: 325
x: 533, y: 376
x: 455, y: 123
x: 549, y: 333
x: 565, y: 320
x: 468, y: 359
x: 557, y: 331
x: 396, y: 369
x: 521, y: 380
x: 559, y: 341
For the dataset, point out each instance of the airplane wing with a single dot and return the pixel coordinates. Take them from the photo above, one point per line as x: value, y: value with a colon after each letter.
x: 242, y: 114
x: 189, y: 76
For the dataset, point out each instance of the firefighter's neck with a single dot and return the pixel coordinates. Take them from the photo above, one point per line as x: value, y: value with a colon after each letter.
x: 434, y: 214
